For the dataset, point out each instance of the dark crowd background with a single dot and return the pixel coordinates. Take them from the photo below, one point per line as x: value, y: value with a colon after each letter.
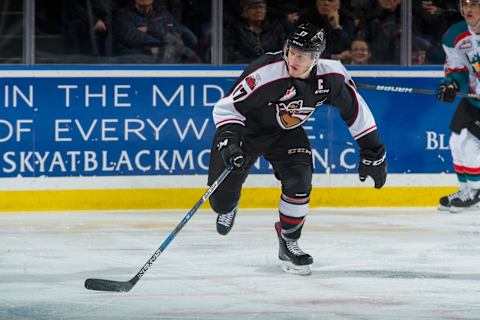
x: 371, y: 32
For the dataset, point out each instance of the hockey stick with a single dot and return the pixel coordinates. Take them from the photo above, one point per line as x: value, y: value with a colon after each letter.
x: 410, y: 90
x: 124, y: 286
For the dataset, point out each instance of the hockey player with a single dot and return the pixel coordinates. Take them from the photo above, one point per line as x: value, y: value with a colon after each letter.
x: 462, y: 72
x: 263, y: 115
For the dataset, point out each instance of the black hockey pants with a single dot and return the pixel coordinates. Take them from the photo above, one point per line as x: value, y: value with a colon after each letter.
x: 290, y: 155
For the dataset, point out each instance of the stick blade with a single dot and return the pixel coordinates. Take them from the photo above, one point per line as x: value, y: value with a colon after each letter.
x: 108, y: 285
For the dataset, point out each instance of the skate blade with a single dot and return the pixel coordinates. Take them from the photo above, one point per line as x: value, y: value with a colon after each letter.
x: 460, y: 209
x: 289, y: 267
x: 443, y: 208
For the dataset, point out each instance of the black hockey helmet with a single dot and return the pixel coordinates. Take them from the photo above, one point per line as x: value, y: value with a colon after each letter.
x: 307, y: 37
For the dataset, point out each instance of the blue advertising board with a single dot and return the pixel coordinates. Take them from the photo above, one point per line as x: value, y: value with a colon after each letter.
x: 122, y: 126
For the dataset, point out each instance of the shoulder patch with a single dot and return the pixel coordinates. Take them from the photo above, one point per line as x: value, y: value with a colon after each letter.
x: 251, y: 82
x: 455, y: 34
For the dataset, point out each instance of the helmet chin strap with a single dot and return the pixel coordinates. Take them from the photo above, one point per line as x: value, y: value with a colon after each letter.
x: 315, y: 59
x: 311, y: 67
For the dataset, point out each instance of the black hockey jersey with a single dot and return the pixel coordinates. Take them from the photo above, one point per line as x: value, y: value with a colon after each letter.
x: 266, y: 99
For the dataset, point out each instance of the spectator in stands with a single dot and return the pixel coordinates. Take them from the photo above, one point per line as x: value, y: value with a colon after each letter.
x: 148, y: 34
x: 383, y: 31
x: 86, y: 24
x: 430, y: 23
x: 287, y: 12
x: 360, y: 9
x: 253, y: 34
x: 420, y: 47
x: 338, y: 25
x: 452, y: 12
x: 176, y: 7
x: 359, y: 53
x: 292, y: 13
x: 196, y: 15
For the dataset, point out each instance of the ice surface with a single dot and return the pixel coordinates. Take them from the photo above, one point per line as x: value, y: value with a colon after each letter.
x: 399, y: 263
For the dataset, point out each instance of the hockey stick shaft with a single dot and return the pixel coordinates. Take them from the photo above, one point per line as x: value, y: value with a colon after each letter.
x: 410, y: 90
x: 119, y: 286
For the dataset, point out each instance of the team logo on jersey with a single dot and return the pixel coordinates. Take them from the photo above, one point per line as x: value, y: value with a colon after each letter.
x: 293, y: 114
x: 321, y: 88
x: 465, y: 44
x: 474, y: 59
x: 292, y: 92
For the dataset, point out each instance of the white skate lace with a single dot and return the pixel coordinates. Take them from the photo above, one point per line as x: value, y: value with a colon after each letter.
x: 292, y: 246
x: 465, y: 196
x: 457, y: 194
x: 226, y: 219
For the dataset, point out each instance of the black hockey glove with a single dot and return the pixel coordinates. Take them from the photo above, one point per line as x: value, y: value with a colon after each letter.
x: 447, y: 90
x: 373, y: 164
x: 229, y: 143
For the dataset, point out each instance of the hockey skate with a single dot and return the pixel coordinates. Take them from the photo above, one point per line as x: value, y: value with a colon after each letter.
x: 294, y: 260
x: 446, y: 201
x: 225, y: 221
x: 466, y: 201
